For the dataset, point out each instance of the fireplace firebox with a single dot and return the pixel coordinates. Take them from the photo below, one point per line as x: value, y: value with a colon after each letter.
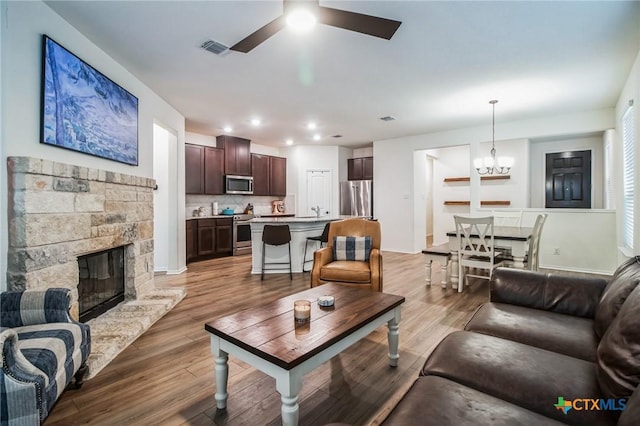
x: 101, y: 282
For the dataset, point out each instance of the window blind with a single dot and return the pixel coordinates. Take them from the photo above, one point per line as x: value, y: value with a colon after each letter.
x: 628, y: 172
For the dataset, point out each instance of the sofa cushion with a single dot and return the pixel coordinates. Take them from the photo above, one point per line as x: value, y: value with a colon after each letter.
x: 346, y: 271
x: 351, y: 248
x: 623, y: 282
x: 619, y: 351
x: 436, y: 401
x: 631, y: 414
x: 565, y: 334
x: 523, y: 375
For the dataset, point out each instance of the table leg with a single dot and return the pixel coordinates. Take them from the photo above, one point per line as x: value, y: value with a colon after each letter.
x: 427, y: 268
x: 222, y: 372
x: 454, y: 268
x: 518, y: 262
x: 289, y: 387
x: 443, y: 273
x: 393, y: 337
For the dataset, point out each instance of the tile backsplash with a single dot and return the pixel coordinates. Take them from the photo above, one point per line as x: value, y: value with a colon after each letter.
x: 261, y: 204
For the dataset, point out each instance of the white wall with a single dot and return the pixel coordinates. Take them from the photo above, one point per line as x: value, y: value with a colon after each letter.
x: 22, y: 27
x: 3, y: 174
x: 199, y: 139
x: 539, y: 149
x: 395, y: 193
x: 631, y: 91
x: 306, y: 157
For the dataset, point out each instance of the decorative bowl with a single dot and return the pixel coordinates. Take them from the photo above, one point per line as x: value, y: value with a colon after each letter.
x: 326, y: 301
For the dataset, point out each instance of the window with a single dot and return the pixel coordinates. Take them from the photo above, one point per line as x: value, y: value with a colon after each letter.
x: 628, y: 176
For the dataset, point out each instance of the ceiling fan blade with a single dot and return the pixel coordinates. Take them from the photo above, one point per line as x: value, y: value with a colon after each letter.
x: 361, y: 23
x: 262, y: 34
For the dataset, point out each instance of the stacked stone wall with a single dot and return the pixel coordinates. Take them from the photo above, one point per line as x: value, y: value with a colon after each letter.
x: 58, y: 212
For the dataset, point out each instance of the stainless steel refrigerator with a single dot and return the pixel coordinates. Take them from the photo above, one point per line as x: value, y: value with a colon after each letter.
x: 356, y: 198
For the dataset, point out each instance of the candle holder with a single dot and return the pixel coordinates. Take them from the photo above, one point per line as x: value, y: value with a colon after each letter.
x: 302, y: 311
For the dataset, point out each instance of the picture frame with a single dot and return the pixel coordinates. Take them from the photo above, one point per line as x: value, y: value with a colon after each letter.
x: 85, y: 111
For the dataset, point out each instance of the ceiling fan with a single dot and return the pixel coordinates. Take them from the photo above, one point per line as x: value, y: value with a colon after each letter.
x: 358, y: 22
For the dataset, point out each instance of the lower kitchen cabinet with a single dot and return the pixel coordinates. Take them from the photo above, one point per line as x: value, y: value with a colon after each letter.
x: 208, y: 238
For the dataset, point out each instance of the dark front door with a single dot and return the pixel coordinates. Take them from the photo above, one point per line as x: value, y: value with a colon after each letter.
x: 568, y: 180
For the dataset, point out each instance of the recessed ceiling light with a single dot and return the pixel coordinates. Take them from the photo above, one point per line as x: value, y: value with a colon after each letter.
x: 289, y: 141
x: 311, y: 125
x: 255, y: 121
x: 316, y: 137
x: 228, y: 129
x: 301, y: 20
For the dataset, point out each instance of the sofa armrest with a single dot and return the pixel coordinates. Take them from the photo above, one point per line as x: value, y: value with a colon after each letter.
x: 572, y: 295
x: 31, y: 307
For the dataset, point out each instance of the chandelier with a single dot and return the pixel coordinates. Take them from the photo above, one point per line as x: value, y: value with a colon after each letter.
x: 492, y: 165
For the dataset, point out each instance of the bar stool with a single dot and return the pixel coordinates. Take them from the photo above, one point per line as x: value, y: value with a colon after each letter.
x: 276, y: 235
x: 323, y: 239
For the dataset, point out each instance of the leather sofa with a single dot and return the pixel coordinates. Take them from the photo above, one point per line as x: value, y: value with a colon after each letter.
x: 545, y: 350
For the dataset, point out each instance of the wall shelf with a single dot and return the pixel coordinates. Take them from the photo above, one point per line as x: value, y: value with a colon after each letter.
x: 482, y: 203
x: 467, y: 178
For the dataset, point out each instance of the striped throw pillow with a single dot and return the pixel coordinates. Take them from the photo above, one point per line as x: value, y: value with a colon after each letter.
x: 351, y: 248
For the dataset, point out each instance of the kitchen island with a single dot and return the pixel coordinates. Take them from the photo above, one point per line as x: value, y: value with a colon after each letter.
x: 301, y: 228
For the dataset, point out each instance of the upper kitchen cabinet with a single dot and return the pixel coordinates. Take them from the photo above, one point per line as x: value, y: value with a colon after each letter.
x: 204, y: 170
x: 194, y: 169
x: 261, y: 175
x: 213, y: 171
x: 360, y: 168
x: 278, y: 176
x: 269, y: 175
x: 237, y: 155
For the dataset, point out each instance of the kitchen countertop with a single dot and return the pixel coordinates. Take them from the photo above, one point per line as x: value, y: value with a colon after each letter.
x: 218, y: 216
x: 299, y: 219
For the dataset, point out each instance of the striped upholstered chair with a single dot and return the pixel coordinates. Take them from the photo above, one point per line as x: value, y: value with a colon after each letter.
x: 43, y: 349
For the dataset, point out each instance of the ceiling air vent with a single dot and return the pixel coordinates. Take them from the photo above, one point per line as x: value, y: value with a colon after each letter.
x: 387, y: 118
x: 215, y: 47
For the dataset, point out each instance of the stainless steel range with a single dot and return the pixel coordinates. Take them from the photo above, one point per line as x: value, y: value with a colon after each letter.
x: 242, y: 234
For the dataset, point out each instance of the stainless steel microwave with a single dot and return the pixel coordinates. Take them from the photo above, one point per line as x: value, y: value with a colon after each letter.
x: 238, y: 184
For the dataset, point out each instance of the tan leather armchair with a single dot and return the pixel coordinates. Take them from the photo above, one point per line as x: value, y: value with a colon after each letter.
x: 352, y: 273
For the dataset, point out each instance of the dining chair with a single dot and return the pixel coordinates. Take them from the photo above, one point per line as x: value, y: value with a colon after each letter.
x: 533, y: 255
x: 276, y: 235
x: 507, y: 218
x: 476, y: 247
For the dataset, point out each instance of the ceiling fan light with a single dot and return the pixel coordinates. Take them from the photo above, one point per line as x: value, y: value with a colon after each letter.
x: 301, y: 20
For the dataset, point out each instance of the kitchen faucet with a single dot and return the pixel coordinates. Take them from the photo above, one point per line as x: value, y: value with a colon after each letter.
x: 316, y: 209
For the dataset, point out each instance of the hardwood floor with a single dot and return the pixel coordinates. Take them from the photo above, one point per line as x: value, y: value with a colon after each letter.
x: 167, y: 376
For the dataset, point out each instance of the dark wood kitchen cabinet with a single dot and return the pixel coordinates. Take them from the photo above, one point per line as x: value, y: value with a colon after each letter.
x: 213, y: 171
x: 278, y: 176
x: 360, y: 168
x: 237, y: 155
x: 224, y: 237
x: 260, y: 171
x: 194, y: 169
x: 204, y: 170
x: 208, y: 238
x: 192, y: 239
x: 269, y: 175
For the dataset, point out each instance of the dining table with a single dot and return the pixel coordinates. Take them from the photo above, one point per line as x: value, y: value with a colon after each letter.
x: 515, y: 238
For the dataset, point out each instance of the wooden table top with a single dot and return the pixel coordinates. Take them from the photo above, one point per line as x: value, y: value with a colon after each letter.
x: 270, y: 331
x: 515, y: 233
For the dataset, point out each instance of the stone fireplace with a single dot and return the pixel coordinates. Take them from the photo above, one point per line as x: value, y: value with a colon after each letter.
x: 59, y: 212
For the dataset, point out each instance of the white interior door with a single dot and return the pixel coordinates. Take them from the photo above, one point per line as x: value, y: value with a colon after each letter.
x: 318, y: 192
